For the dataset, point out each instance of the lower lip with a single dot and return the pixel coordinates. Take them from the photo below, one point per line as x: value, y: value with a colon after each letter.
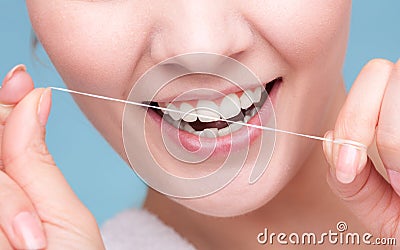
x: 219, y: 145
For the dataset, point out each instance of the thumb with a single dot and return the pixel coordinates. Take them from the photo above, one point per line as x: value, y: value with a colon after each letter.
x: 368, y: 196
x: 352, y: 174
x: 27, y: 161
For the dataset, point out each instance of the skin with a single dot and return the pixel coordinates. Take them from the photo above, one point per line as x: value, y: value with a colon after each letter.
x: 272, y: 38
x: 268, y: 45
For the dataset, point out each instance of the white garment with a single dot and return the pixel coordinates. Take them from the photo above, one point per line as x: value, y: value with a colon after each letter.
x: 139, y: 229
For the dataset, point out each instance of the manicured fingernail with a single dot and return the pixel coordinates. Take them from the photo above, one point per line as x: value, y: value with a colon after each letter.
x: 12, y: 72
x: 44, y: 106
x: 347, y: 163
x: 29, y: 229
x: 394, y: 178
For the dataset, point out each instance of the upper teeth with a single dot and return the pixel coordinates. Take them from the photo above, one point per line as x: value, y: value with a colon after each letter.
x: 230, y: 106
x: 175, y: 115
x: 189, y: 114
x: 208, y: 111
x: 245, y: 101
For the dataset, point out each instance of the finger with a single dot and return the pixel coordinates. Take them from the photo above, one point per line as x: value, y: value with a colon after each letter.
x: 28, y: 162
x: 16, y: 85
x: 371, y: 199
x: 328, y: 147
x: 4, y: 243
x: 369, y: 196
x: 358, y: 118
x: 388, y: 133
x: 18, y: 218
x: 366, y: 193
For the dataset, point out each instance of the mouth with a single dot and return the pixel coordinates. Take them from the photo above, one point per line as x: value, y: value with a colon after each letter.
x: 209, y: 119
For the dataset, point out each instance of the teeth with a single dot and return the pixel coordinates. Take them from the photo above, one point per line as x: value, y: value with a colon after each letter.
x: 175, y: 115
x: 230, y: 106
x: 257, y: 95
x: 224, y: 131
x: 235, y: 127
x: 198, y: 133
x: 245, y: 101
x: 209, y: 133
x: 249, y: 97
x: 207, y: 108
x: 253, y: 112
x: 174, y: 123
x: 164, y: 105
x: 214, y: 132
x: 189, y: 114
x: 188, y: 128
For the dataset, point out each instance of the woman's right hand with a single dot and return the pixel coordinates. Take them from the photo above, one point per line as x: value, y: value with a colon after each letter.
x: 38, y: 209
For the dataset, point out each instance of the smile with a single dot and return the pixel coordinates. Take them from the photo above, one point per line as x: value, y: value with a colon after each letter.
x: 203, y: 117
x: 196, y: 119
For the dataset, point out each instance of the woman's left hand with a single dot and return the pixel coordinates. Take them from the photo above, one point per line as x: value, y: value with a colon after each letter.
x: 371, y: 111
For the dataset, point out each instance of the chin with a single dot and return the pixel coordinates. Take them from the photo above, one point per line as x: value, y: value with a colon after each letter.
x: 239, y: 197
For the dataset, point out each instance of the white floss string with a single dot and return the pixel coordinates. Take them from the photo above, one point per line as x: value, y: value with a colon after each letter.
x: 355, y: 144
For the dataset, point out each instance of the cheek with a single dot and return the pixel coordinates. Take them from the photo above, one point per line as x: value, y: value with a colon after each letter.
x: 92, y: 44
x: 303, y: 30
x: 95, y: 47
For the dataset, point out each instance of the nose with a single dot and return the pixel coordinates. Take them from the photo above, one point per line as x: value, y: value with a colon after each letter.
x: 200, y: 26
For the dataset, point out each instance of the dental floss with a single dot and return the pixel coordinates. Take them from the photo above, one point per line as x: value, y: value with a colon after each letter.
x: 339, y: 141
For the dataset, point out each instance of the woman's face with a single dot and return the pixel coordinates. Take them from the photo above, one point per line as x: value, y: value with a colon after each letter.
x: 103, y: 47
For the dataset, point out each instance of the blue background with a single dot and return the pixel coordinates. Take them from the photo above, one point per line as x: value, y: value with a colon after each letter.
x: 99, y: 177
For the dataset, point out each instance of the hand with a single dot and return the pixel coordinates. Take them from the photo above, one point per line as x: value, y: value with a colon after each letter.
x: 38, y: 209
x: 371, y: 110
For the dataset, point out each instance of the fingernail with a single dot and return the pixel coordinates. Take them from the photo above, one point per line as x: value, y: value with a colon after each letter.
x: 347, y: 164
x: 363, y: 160
x: 12, y: 72
x: 30, y: 230
x: 394, y: 178
x: 44, y: 106
x: 327, y: 146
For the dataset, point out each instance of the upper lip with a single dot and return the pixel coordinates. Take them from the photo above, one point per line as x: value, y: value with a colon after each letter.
x: 207, y: 91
